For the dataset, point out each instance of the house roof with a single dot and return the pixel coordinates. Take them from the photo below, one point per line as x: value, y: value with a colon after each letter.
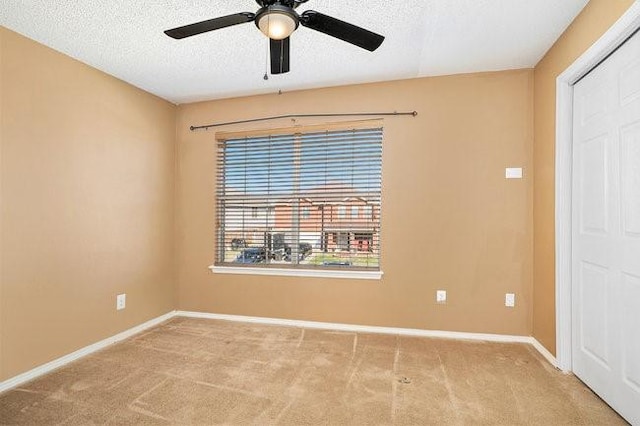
x: 332, y: 193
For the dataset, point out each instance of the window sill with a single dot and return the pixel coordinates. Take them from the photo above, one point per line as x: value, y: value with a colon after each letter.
x: 282, y: 272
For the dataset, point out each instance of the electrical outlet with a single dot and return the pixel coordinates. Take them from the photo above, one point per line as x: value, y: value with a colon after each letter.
x: 121, y: 301
x: 441, y: 296
x: 510, y: 300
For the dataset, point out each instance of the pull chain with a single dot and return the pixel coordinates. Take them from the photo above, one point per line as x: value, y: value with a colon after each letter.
x: 266, y: 61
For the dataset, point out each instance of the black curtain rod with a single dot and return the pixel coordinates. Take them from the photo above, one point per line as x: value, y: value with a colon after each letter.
x: 276, y: 117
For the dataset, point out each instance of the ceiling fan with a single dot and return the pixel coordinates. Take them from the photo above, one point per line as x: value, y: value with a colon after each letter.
x: 277, y: 19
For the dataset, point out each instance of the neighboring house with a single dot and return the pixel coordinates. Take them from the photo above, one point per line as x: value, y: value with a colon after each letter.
x: 247, y: 217
x: 347, y: 224
x: 335, y: 224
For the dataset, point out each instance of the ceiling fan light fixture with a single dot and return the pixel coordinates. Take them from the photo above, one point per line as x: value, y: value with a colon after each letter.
x: 277, y: 19
x: 277, y: 22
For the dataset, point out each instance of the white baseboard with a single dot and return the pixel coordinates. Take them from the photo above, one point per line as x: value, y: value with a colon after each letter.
x: 380, y: 330
x: 544, y: 352
x: 59, y: 362
x: 361, y: 328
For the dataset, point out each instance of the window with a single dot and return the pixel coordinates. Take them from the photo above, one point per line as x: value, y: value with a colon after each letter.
x: 342, y: 212
x: 368, y: 212
x: 278, y: 194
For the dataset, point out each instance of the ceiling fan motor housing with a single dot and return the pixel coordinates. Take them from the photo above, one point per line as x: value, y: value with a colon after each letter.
x: 289, y: 3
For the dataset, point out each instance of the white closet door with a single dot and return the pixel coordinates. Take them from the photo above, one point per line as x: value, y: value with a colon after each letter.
x: 606, y: 230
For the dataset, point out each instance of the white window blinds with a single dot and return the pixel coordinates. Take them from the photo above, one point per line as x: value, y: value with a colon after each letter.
x: 281, y: 200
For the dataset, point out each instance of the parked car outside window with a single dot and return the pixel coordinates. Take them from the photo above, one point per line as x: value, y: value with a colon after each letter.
x: 252, y: 255
x: 304, y: 250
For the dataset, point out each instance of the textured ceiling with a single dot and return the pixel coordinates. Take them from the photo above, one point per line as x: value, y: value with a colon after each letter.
x: 423, y: 38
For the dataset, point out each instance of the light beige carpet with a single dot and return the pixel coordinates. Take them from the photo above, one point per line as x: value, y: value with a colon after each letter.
x: 205, y: 372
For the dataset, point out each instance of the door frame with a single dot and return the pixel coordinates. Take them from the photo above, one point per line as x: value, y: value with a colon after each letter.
x: 628, y: 23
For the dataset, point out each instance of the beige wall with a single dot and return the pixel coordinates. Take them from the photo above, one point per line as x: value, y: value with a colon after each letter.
x: 592, y: 22
x: 450, y: 220
x: 89, y: 166
x: 87, y: 183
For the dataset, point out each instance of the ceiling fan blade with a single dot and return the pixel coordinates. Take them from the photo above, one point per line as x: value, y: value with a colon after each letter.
x: 343, y: 30
x: 210, y: 25
x: 279, y: 55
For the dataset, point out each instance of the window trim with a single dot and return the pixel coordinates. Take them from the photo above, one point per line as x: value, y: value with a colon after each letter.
x: 300, y: 271
x: 301, y: 128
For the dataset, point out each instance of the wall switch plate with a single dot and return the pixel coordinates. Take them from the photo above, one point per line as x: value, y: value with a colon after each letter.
x: 121, y: 301
x: 513, y: 173
x: 441, y: 296
x: 510, y: 300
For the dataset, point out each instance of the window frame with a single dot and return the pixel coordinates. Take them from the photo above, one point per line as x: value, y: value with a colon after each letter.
x: 299, y: 271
